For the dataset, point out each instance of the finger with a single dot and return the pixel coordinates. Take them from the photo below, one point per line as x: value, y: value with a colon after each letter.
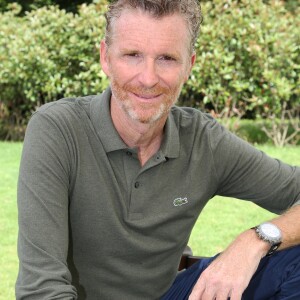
x: 236, y: 294
x: 222, y: 295
x: 208, y: 294
x: 197, y: 291
x: 204, y: 296
x: 202, y: 291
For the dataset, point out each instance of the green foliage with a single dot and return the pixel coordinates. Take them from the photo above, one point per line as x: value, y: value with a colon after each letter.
x: 248, y: 59
x: 249, y: 130
x: 49, y: 54
x: 249, y: 55
x: 254, y: 131
x: 28, y: 5
x: 9, y: 160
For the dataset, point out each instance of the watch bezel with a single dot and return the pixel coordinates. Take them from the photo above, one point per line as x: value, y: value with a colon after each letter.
x: 263, y: 235
x: 266, y: 236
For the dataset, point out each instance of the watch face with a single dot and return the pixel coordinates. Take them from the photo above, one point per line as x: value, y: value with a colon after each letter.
x: 270, y: 230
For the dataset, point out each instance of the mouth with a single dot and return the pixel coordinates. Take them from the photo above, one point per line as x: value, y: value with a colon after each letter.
x: 147, y: 97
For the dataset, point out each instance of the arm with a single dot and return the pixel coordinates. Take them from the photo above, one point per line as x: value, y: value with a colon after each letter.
x: 43, y: 213
x: 247, y: 173
x: 229, y: 277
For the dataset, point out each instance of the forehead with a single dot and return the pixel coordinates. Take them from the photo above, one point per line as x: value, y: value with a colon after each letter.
x: 138, y: 28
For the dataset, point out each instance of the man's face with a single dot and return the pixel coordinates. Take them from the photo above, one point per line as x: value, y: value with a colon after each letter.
x: 147, y: 62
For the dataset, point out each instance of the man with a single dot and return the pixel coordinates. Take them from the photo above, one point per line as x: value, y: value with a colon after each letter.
x: 110, y: 186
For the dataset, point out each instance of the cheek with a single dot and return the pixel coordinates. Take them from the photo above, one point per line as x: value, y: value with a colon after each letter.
x: 121, y: 73
x: 175, y: 81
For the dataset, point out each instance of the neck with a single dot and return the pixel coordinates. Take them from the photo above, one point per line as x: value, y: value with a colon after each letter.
x: 146, y: 138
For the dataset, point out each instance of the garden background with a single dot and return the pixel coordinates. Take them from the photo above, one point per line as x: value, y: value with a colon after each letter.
x: 246, y: 75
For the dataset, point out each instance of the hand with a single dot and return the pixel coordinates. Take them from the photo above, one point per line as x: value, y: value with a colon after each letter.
x: 230, y: 273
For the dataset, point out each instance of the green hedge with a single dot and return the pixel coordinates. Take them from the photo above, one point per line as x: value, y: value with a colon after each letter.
x: 28, y: 5
x: 248, y: 59
x: 252, y: 131
x: 46, y: 55
x: 249, y: 56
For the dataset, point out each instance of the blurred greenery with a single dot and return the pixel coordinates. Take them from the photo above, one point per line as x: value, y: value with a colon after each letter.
x: 46, y: 55
x: 9, y: 161
x: 248, y: 59
x: 68, y: 5
x: 252, y: 131
x: 28, y: 5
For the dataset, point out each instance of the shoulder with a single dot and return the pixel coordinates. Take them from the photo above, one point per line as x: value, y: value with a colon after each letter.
x: 198, y: 129
x: 66, y: 110
x: 61, y: 117
x: 194, y: 119
x: 66, y: 106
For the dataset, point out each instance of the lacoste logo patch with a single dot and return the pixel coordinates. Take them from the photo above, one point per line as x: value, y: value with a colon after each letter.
x: 180, y: 201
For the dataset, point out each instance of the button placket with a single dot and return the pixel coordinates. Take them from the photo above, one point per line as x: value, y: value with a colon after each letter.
x: 136, y: 199
x: 137, y: 184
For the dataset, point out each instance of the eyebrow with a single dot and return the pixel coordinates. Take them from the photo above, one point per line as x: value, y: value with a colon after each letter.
x: 173, y: 54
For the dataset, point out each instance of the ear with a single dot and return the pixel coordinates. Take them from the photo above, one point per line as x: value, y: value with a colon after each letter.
x: 192, y: 62
x: 104, y: 58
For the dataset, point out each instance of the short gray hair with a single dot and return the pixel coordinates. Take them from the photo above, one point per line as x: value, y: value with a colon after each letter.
x: 190, y: 10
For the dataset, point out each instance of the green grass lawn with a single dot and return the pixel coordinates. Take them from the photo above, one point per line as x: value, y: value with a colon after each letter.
x: 9, y: 166
x: 219, y: 223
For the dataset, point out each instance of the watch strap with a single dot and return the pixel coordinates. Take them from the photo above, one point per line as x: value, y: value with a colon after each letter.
x: 273, y: 249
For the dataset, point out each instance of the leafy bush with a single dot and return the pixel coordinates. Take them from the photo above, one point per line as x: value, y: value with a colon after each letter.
x: 49, y: 54
x: 28, y: 5
x: 254, y: 131
x: 248, y: 60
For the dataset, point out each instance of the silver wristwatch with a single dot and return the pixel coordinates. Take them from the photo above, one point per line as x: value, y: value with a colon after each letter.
x: 271, y: 234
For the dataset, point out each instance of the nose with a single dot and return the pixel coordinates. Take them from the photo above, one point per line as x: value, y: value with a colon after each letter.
x: 148, y: 76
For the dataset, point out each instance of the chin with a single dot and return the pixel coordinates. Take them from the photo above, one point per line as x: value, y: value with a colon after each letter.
x: 149, y: 118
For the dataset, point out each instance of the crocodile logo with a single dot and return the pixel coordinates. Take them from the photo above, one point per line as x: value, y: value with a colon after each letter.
x: 180, y: 201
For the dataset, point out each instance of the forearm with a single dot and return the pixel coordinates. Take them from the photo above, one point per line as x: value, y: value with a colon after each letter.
x: 289, y: 224
x: 231, y: 272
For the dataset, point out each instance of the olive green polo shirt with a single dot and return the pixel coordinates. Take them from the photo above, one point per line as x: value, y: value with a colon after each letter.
x: 94, y: 224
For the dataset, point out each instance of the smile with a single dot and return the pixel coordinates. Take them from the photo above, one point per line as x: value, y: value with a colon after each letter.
x: 147, y: 97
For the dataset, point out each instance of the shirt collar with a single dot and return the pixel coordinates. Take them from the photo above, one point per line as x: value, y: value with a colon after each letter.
x: 170, y: 146
x: 111, y: 140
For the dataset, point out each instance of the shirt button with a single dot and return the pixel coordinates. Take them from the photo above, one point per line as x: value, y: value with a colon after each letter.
x: 129, y: 153
x: 137, y: 185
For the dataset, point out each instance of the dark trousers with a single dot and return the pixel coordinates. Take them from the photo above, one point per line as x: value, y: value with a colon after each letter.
x: 277, y: 277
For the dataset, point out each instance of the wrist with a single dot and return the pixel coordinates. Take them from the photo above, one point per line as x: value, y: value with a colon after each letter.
x: 254, y: 246
x: 270, y: 234
x: 262, y: 247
